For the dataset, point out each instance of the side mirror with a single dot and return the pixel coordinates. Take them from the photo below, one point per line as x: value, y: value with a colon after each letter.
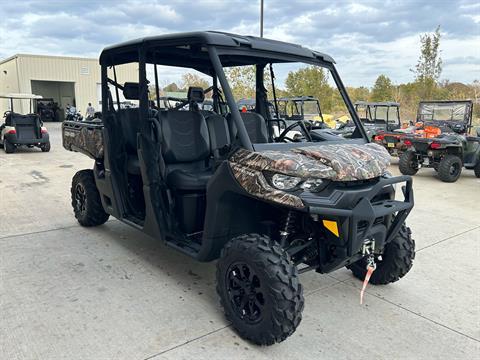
x: 131, y: 91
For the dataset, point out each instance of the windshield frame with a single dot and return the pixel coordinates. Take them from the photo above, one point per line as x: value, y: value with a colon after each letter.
x: 467, y: 114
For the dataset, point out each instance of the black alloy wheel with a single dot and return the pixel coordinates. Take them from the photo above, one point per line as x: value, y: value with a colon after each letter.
x: 245, y: 292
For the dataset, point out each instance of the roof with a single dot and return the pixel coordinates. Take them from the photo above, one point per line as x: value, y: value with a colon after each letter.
x: 446, y: 102
x: 20, y: 96
x: 298, y: 98
x: 178, y: 49
x: 377, y: 103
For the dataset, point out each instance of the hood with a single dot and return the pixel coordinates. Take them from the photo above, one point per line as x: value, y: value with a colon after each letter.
x: 339, y: 162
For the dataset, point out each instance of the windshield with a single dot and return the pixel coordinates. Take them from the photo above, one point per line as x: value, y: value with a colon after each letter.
x: 442, y: 112
x: 384, y: 113
x: 303, y: 92
x: 310, y: 107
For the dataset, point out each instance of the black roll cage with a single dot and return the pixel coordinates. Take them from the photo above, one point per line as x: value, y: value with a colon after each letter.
x: 368, y: 110
x: 161, y: 53
x: 301, y: 100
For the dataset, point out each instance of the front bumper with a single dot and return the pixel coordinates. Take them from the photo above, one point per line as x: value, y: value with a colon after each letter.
x: 371, y: 217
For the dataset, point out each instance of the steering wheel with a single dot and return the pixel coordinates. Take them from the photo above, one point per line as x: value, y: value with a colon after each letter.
x: 305, y: 127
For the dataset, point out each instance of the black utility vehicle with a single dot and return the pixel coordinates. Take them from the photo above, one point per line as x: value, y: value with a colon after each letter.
x: 217, y: 185
x: 448, y: 152
x: 382, y: 122
x: 300, y: 108
x: 48, y: 109
x: 380, y: 116
x: 22, y: 130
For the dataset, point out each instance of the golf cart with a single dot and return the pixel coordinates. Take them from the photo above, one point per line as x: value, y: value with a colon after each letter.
x: 382, y: 122
x: 451, y: 148
x: 22, y: 130
x: 222, y: 186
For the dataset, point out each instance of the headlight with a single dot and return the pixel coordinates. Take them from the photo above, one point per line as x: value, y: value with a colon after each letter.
x: 285, y: 182
x: 313, y: 185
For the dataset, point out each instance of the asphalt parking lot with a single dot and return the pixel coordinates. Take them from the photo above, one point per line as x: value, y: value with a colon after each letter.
x: 68, y: 292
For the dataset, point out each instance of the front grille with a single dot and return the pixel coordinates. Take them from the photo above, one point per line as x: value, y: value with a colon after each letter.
x: 356, y: 183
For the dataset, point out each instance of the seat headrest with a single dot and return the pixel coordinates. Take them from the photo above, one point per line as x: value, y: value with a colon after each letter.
x: 195, y: 94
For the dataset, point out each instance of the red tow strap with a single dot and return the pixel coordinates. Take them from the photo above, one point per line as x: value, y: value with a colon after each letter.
x: 370, y: 270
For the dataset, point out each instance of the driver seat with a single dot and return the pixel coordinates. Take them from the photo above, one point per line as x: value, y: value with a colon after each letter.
x: 254, y: 124
x: 186, y: 146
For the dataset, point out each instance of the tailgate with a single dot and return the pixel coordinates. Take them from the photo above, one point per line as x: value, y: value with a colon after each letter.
x: 84, y: 137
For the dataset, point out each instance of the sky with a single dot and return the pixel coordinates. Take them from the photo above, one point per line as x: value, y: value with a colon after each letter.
x: 366, y: 38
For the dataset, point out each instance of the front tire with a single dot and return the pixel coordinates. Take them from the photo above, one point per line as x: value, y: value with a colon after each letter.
x: 450, y: 168
x: 407, y: 163
x: 8, y: 147
x: 259, y: 289
x: 86, y: 202
x: 397, y: 260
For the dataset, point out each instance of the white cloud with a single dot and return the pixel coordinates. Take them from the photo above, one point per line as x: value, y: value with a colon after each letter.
x: 357, y: 8
x: 365, y: 38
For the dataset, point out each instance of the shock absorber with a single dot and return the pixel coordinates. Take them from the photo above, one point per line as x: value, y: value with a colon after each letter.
x: 287, y: 228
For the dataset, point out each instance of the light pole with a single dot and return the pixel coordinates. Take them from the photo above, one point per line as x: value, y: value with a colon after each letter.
x: 261, y: 18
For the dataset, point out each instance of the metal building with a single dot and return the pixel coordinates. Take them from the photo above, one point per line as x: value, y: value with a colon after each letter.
x: 66, y: 80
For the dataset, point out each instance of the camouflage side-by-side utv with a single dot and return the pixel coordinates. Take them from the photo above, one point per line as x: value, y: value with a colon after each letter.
x: 22, y: 130
x: 221, y: 185
x: 448, y: 152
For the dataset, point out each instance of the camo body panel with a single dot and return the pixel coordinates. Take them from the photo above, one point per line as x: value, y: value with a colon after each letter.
x: 344, y: 162
x: 84, y: 139
x: 350, y: 162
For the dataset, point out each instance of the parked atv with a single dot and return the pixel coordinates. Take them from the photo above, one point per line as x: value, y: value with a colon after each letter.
x: 222, y: 186
x: 22, y: 130
x: 382, y: 122
x: 449, y: 151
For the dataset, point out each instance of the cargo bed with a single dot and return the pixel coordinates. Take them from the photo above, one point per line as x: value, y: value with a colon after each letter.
x: 85, y: 137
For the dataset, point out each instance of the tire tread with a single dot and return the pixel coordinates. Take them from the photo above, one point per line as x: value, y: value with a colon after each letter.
x: 395, y: 267
x: 283, y: 282
x: 95, y: 214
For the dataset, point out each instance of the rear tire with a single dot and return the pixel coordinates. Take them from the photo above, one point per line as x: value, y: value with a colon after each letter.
x: 86, y: 202
x: 407, y: 163
x: 45, y: 147
x: 397, y: 260
x: 476, y: 169
x: 450, y: 168
x: 259, y: 289
x: 8, y: 147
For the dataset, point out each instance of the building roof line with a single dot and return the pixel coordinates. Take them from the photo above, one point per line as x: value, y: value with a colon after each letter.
x: 2, y: 61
